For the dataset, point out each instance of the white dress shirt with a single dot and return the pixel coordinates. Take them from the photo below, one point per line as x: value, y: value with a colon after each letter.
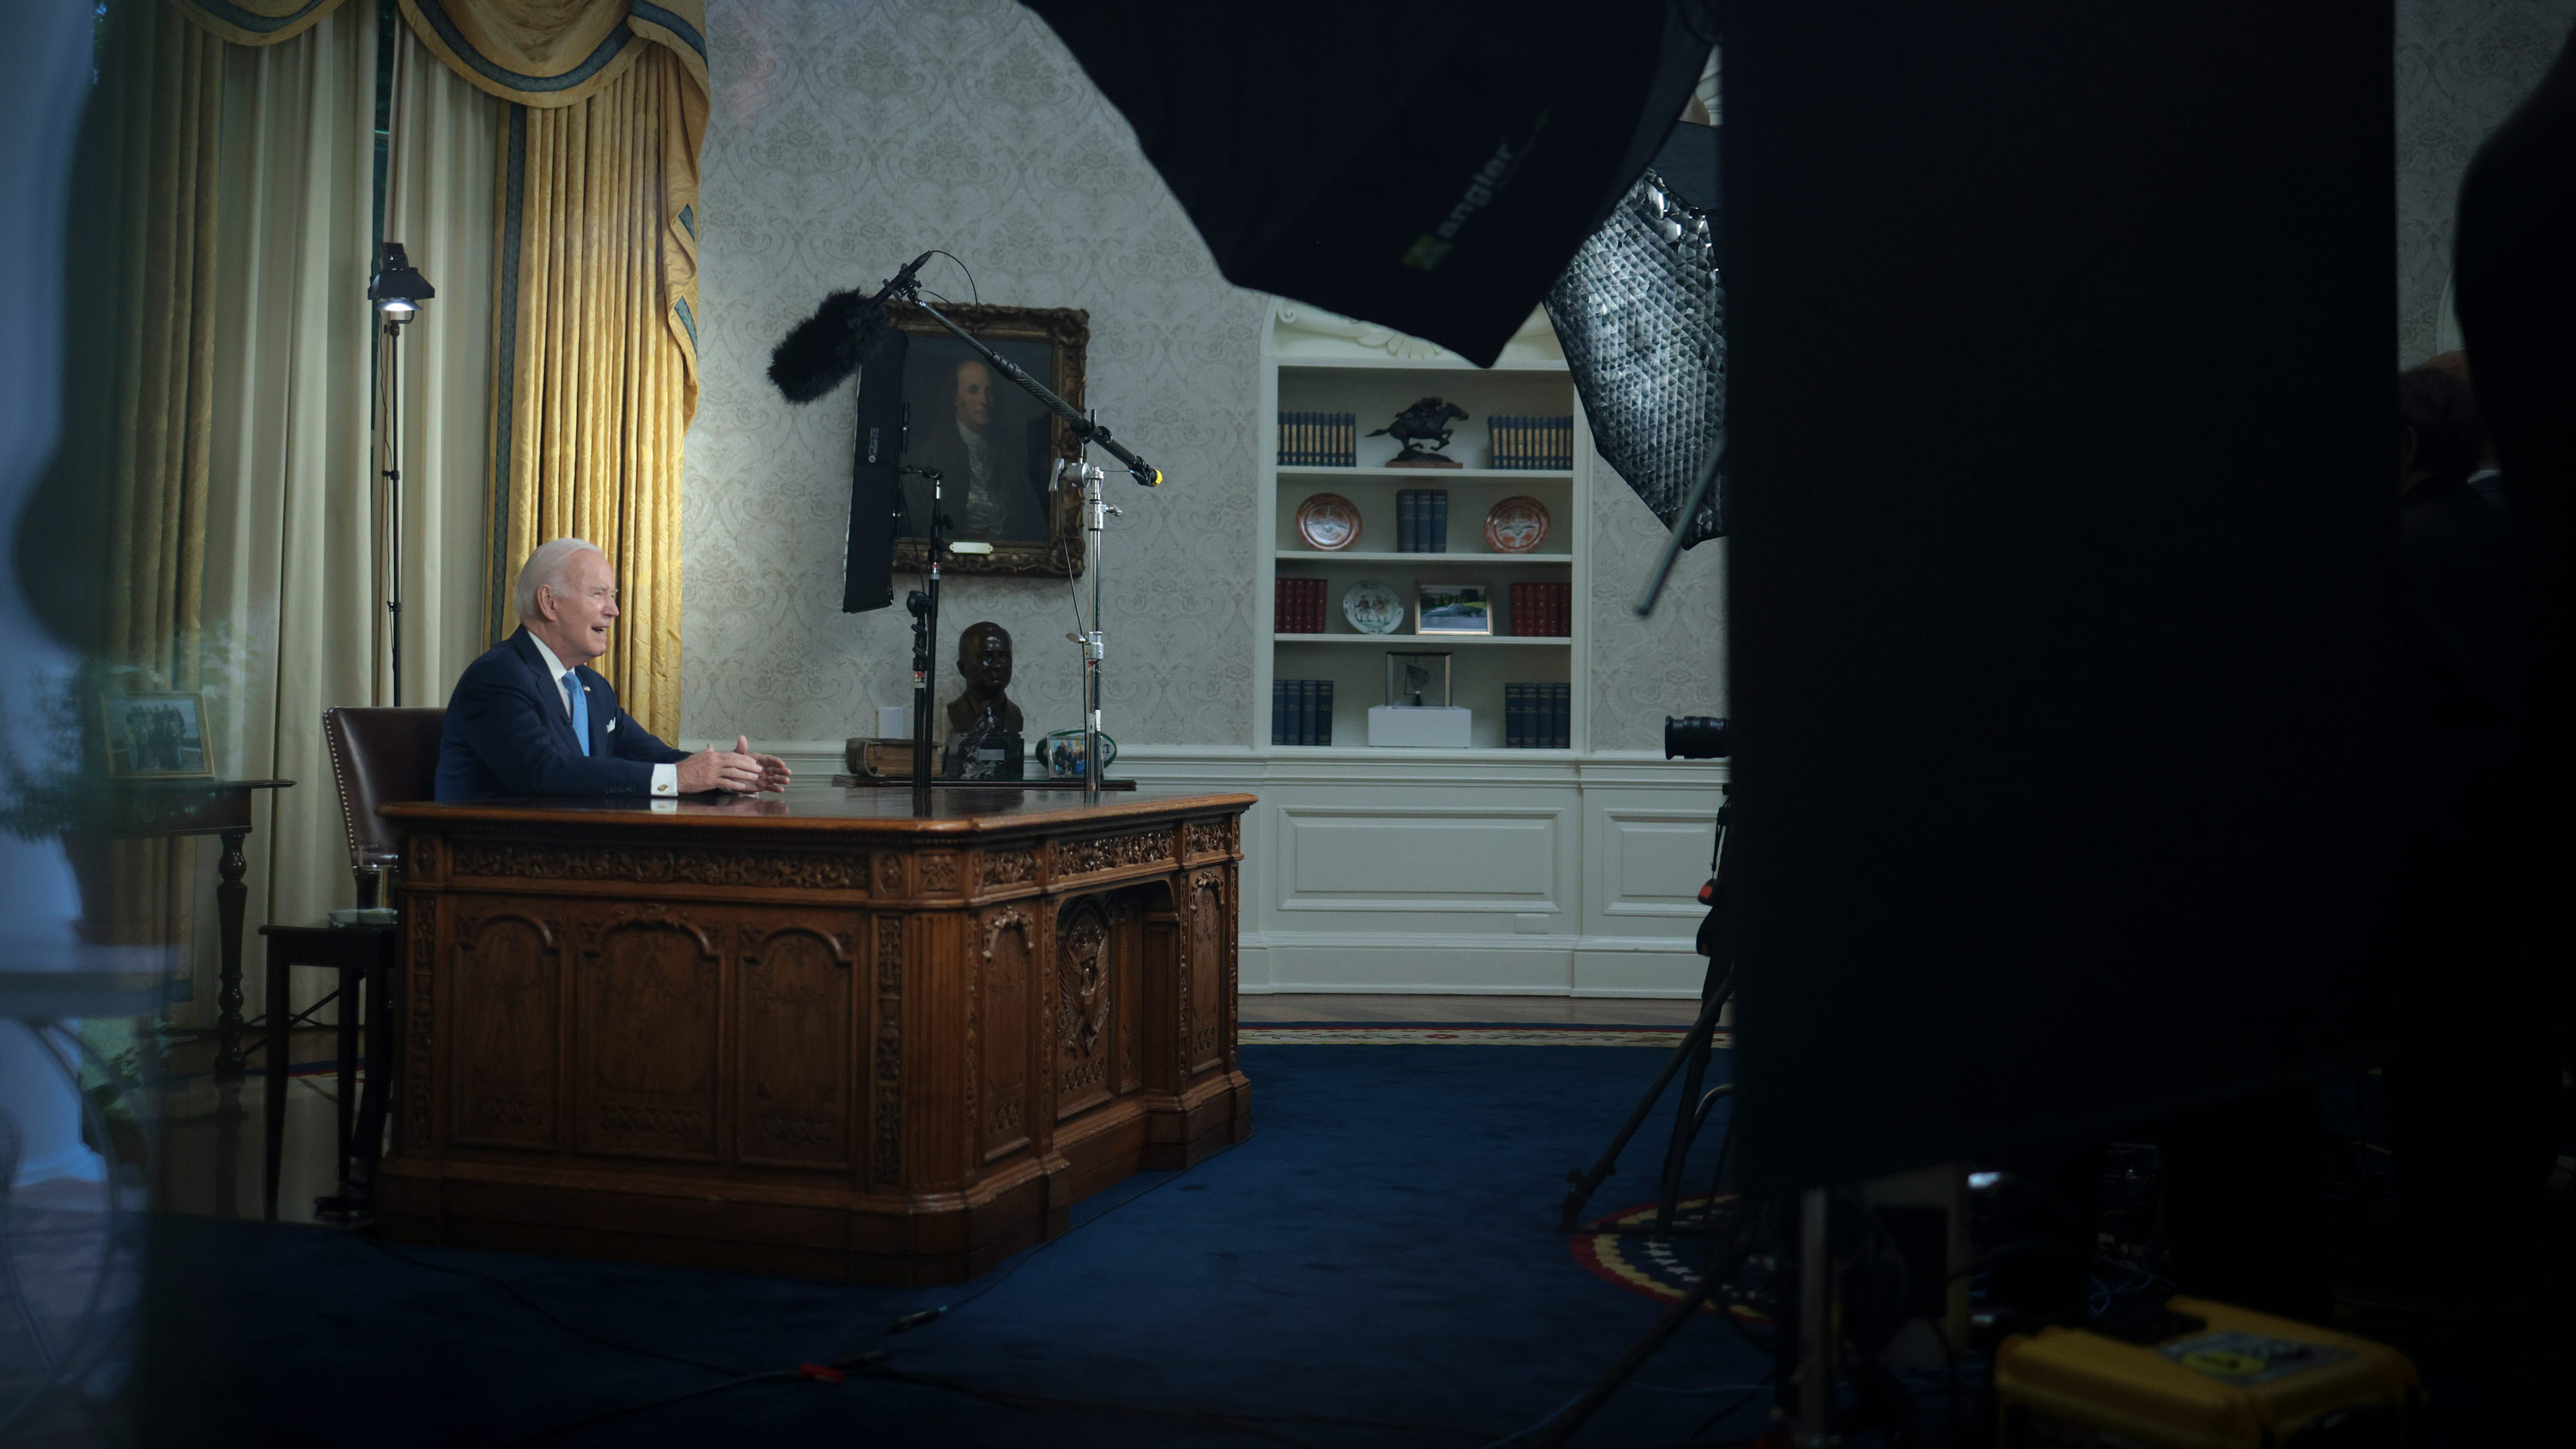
x: 666, y: 778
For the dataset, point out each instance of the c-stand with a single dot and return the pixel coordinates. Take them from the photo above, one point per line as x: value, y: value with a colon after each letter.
x: 1723, y: 1223
x: 1690, y: 1059
x: 923, y: 603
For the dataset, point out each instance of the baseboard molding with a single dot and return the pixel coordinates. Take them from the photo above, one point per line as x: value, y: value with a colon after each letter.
x: 1360, y: 964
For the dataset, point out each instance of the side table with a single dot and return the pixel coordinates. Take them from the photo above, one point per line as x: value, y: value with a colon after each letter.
x: 163, y: 809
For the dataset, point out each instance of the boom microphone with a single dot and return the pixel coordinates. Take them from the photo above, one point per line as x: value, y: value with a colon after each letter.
x: 827, y: 347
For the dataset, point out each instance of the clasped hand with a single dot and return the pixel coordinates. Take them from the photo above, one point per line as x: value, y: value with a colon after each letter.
x: 738, y: 770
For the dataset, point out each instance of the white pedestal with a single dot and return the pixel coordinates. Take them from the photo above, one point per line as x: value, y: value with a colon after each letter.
x: 1437, y: 726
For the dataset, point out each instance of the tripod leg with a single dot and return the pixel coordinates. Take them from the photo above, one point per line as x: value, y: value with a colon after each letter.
x: 1686, y: 1118
x: 1713, y: 1000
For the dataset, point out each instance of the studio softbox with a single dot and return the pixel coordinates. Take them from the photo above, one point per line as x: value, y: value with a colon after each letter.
x: 1442, y: 191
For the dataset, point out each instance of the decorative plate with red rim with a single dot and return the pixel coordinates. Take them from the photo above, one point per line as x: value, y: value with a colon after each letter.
x: 1516, y: 525
x: 1328, y: 521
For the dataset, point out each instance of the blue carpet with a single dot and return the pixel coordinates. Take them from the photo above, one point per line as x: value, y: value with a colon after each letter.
x: 1380, y: 1248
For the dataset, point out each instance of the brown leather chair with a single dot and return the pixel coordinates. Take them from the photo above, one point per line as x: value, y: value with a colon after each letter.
x: 378, y: 757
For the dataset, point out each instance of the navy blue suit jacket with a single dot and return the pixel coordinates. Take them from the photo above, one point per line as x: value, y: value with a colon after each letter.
x: 507, y: 736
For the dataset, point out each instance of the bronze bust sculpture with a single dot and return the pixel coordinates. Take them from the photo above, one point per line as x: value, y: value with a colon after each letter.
x: 984, y: 662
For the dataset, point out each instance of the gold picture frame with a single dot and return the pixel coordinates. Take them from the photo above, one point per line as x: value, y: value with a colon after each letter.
x: 1447, y: 608
x: 1037, y: 531
x: 155, y: 736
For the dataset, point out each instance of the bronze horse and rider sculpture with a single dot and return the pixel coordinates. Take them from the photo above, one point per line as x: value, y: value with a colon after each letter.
x: 1426, y: 422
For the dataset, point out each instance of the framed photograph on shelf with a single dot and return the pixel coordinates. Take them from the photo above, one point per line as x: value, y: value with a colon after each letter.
x: 1453, y: 609
x: 993, y: 444
x: 155, y: 736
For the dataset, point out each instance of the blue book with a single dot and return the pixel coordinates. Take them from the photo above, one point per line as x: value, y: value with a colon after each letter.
x: 1408, y: 520
x: 1435, y: 525
x: 1323, y: 711
x: 1305, y: 711
x: 1278, y: 711
x: 1561, y: 716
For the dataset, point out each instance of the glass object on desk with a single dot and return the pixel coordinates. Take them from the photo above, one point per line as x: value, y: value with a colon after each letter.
x: 1061, y: 754
x: 1417, y: 679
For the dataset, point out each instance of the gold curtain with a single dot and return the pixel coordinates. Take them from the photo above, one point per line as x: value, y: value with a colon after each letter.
x: 160, y: 112
x: 595, y: 297
x: 126, y: 516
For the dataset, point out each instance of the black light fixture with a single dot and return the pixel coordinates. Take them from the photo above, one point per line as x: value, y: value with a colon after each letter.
x: 398, y: 290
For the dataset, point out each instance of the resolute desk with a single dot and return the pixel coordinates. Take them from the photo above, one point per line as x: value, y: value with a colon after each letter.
x: 811, y: 1035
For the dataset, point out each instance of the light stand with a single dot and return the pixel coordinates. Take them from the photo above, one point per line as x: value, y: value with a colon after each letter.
x: 923, y: 603
x: 1093, y: 639
x: 397, y: 290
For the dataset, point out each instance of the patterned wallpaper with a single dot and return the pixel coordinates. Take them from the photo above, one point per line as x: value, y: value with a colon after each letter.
x: 1672, y: 663
x: 2462, y: 67
x: 846, y: 139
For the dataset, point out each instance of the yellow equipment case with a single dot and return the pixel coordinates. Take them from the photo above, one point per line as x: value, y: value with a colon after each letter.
x: 2238, y: 1380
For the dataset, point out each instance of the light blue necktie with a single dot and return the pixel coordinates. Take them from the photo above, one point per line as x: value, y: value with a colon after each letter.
x: 580, y: 709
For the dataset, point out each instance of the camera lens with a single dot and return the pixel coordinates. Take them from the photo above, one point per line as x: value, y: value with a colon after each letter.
x: 1694, y: 737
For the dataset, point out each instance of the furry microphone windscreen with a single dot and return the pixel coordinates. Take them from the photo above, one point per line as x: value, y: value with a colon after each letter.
x: 824, y: 348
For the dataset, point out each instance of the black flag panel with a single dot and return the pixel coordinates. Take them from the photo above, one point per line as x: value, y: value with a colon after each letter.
x: 876, y: 494
x: 1442, y: 192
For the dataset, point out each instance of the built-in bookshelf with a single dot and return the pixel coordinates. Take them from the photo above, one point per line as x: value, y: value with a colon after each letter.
x: 1322, y: 370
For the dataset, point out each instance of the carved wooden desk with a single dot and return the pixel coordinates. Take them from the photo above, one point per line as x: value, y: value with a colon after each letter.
x: 810, y: 1035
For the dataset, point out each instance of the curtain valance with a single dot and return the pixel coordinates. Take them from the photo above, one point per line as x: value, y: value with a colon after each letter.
x: 255, y: 22
x: 549, y: 53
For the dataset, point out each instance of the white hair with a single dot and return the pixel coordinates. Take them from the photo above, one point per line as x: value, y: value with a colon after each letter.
x: 545, y: 570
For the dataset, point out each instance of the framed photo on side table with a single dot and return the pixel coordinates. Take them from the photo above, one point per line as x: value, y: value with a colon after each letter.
x: 155, y: 736
x: 1453, y: 609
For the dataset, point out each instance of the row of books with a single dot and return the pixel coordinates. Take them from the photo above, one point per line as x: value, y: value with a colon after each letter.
x: 1543, y: 610
x: 1422, y: 520
x: 1538, y: 716
x: 1301, y: 711
x: 1318, y: 440
x: 1298, y: 606
x: 1519, y: 442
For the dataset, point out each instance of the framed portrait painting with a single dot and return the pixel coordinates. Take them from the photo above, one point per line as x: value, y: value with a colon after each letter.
x: 155, y: 736
x: 993, y: 444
